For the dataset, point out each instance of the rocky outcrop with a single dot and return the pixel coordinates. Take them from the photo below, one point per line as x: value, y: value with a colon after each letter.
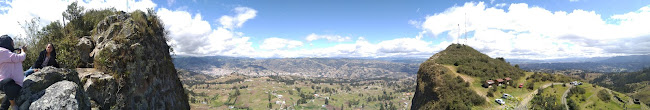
x: 138, y: 73
x: 52, y: 88
x: 85, y: 46
x: 131, y: 69
x: 63, y: 95
x: 99, y: 86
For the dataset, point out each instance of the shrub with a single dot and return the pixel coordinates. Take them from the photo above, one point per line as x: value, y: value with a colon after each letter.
x: 604, y: 95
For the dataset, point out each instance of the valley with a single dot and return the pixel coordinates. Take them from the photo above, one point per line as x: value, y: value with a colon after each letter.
x: 237, y: 91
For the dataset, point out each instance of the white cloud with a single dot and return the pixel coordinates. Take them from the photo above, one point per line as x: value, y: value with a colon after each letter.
x: 170, y: 2
x: 243, y: 14
x: 574, y: 0
x: 279, y: 43
x: 500, y: 5
x: 194, y: 36
x: 331, y: 38
x: 521, y: 31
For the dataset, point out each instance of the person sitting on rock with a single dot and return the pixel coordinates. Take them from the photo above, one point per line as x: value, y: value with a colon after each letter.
x: 47, y: 57
x: 11, y: 70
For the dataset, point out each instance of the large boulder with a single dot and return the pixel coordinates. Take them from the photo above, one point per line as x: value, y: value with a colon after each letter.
x: 63, y: 95
x: 39, y: 85
x: 132, y: 48
x: 85, y: 46
x: 100, y: 87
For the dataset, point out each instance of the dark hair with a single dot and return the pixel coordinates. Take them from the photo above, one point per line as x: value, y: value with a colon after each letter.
x: 6, y: 42
x: 53, y: 53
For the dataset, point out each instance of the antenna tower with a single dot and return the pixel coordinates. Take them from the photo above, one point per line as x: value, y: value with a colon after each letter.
x: 465, y: 29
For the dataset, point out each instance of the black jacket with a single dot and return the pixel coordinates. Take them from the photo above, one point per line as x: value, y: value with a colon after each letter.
x: 52, y: 61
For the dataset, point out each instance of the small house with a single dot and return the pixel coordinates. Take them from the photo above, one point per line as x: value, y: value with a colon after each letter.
x: 500, y: 81
x: 507, y: 79
x: 488, y: 83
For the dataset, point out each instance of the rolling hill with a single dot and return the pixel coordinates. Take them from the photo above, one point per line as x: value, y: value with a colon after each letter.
x: 439, y: 88
x: 311, y: 67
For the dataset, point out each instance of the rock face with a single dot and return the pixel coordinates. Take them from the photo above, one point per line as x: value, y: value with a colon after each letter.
x: 99, y: 86
x: 132, y: 70
x: 137, y: 69
x: 85, y: 46
x: 63, y: 95
x: 53, y: 88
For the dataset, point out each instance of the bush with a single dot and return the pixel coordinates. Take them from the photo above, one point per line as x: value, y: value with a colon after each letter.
x: 490, y: 94
x: 604, y: 95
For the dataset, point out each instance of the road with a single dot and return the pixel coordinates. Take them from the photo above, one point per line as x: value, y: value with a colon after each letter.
x: 529, y: 97
x: 565, y: 95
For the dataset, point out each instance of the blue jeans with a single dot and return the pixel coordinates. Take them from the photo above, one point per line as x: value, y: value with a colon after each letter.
x: 29, y: 71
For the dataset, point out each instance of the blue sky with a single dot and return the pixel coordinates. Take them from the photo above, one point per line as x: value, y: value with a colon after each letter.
x: 534, y: 29
x: 372, y: 19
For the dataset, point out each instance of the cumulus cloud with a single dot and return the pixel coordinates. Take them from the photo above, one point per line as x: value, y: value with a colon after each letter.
x: 243, y: 15
x: 191, y: 35
x: 331, y: 38
x: 279, y: 43
x: 522, y: 31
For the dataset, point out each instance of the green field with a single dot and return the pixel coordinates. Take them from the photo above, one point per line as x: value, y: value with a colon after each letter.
x: 255, y: 91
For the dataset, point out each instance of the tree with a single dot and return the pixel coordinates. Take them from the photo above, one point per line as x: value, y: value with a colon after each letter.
x: 73, y: 13
x: 327, y: 102
x: 604, y: 95
x: 516, y: 65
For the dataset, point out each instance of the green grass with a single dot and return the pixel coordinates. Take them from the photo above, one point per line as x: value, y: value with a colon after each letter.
x: 256, y: 95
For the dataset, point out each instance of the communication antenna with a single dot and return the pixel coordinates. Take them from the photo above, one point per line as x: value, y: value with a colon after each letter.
x: 457, y: 38
x: 465, y: 29
x: 127, y: 6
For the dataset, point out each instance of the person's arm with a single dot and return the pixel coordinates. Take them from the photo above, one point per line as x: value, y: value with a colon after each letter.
x: 56, y: 64
x: 39, y: 61
x: 7, y: 56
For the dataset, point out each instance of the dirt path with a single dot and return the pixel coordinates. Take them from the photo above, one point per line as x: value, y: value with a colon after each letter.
x: 468, y: 79
x: 589, y: 102
x: 565, y: 95
x: 529, y: 97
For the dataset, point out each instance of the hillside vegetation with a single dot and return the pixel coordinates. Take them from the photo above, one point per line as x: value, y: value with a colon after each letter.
x: 437, y: 88
x: 477, y: 64
x: 635, y: 83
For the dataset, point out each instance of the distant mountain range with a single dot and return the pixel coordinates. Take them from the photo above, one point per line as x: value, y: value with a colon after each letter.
x: 597, y: 64
x: 311, y: 67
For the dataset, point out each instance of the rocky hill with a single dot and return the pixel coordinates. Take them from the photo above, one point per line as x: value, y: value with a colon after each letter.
x: 131, y: 69
x: 437, y: 88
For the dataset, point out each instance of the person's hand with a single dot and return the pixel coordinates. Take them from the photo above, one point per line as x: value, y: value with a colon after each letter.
x: 36, y: 70
x: 23, y: 49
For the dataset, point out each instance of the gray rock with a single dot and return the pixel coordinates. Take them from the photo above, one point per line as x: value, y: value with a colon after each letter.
x: 101, y: 88
x: 35, y: 85
x: 47, y: 76
x: 85, y: 47
x: 63, y: 95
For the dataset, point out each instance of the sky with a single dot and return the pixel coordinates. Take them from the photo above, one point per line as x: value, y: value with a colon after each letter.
x: 518, y: 29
